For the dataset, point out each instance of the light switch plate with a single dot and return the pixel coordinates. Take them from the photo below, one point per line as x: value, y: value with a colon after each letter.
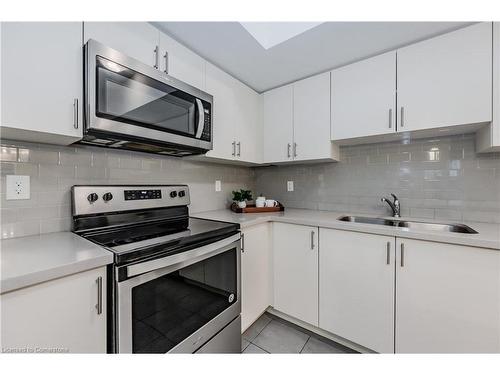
x: 18, y: 187
x: 289, y: 186
x: 218, y: 185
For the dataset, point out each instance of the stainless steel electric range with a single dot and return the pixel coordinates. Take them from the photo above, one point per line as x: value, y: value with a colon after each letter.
x: 175, y: 282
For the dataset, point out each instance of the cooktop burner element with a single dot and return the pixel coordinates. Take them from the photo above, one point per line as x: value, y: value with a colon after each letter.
x: 138, y: 222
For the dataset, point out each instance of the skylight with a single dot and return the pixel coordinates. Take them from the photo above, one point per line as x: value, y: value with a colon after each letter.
x: 270, y: 34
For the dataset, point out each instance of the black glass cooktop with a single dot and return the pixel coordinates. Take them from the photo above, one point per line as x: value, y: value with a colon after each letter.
x: 134, y: 242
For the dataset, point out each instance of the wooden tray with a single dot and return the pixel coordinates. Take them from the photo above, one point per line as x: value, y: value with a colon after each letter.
x: 250, y: 208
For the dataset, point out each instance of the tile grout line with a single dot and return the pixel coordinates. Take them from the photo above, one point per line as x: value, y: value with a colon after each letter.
x: 271, y: 319
x: 308, y: 338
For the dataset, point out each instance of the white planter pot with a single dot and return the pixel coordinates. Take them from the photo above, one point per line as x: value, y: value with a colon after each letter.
x: 242, y: 204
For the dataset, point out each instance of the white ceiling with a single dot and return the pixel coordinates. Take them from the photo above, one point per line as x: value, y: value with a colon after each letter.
x: 329, y: 45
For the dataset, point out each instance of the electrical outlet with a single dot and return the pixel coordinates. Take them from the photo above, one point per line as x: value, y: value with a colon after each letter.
x: 289, y: 186
x: 18, y: 187
x: 218, y: 185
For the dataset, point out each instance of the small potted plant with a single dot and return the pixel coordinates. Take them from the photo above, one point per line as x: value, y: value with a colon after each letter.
x: 241, y: 197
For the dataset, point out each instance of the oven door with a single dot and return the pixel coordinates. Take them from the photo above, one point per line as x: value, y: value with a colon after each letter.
x: 128, y: 98
x: 178, y: 303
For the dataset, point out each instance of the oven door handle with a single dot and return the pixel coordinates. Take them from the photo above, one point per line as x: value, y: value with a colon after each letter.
x: 199, y: 253
x: 201, y: 118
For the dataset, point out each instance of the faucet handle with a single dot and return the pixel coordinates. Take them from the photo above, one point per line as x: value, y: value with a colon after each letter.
x: 394, y: 196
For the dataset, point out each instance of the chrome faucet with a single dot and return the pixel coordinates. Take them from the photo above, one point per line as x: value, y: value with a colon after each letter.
x: 395, y: 206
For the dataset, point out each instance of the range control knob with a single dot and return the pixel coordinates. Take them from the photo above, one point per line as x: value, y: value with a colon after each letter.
x: 107, y: 197
x: 182, y: 193
x: 92, y: 197
x: 173, y: 194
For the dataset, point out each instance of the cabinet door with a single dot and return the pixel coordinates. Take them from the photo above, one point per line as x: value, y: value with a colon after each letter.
x: 182, y: 63
x: 311, y: 118
x: 364, y: 98
x: 296, y: 271
x: 59, y: 314
x: 248, y: 124
x: 356, y: 287
x: 135, y: 39
x: 446, y: 81
x: 278, y: 124
x: 41, y: 86
x: 255, y: 273
x: 447, y: 298
x: 221, y: 86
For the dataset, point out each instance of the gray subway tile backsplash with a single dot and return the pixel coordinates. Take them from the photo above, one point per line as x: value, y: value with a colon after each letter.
x: 54, y: 169
x: 437, y: 178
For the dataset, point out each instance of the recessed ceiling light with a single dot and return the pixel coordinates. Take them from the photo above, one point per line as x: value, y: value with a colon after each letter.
x: 270, y: 34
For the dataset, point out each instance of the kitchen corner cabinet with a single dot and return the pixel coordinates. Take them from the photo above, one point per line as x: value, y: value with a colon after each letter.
x: 364, y: 98
x: 139, y: 40
x: 58, y: 314
x: 237, y: 116
x: 297, y: 122
x: 256, y: 273
x: 446, y: 81
x: 278, y: 124
x: 41, y: 85
x: 356, y: 287
x: 295, y: 262
x: 447, y: 298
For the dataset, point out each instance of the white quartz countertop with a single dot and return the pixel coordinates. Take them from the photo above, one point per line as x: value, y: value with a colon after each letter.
x: 488, y: 235
x: 30, y: 260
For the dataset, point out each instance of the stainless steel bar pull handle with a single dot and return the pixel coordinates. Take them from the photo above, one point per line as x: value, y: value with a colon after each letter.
x: 234, y: 148
x: 295, y: 149
x: 289, y: 146
x: 242, y: 242
x: 156, y: 51
x: 402, y: 116
x: 75, y: 113
x: 402, y: 255
x: 98, y: 306
x: 312, y: 240
x: 239, y: 148
x: 165, y: 56
x: 388, y: 256
x: 390, y: 118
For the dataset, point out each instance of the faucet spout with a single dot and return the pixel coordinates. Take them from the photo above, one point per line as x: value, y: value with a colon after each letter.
x: 395, y: 206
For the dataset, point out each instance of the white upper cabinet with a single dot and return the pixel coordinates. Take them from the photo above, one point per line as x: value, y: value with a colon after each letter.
x: 42, y: 81
x: 311, y: 118
x: 297, y: 122
x: 181, y: 63
x: 295, y: 250
x: 447, y: 298
x: 446, y: 81
x: 237, y: 117
x: 221, y: 86
x: 364, y: 98
x: 139, y: 40
x: 356, y: 287
x: 278, y: 124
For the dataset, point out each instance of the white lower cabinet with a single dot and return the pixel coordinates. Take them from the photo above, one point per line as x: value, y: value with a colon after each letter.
x: 60, y: 314
x: 256, y: 273
x: 356, y: 287
x: 295, y: 249
x: 447, y: 298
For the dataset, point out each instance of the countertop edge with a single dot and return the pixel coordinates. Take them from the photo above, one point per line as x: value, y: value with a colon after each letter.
x: 24, y: 281
x: 365, y: 228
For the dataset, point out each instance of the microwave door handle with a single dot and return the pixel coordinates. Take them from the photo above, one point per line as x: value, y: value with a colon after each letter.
x: 201, y: 118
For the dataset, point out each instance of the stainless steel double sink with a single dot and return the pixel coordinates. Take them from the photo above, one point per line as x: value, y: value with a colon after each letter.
x: 410, y: 224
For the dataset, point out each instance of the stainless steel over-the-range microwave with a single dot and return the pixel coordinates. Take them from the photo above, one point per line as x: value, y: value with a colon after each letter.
x: 131, y: 105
